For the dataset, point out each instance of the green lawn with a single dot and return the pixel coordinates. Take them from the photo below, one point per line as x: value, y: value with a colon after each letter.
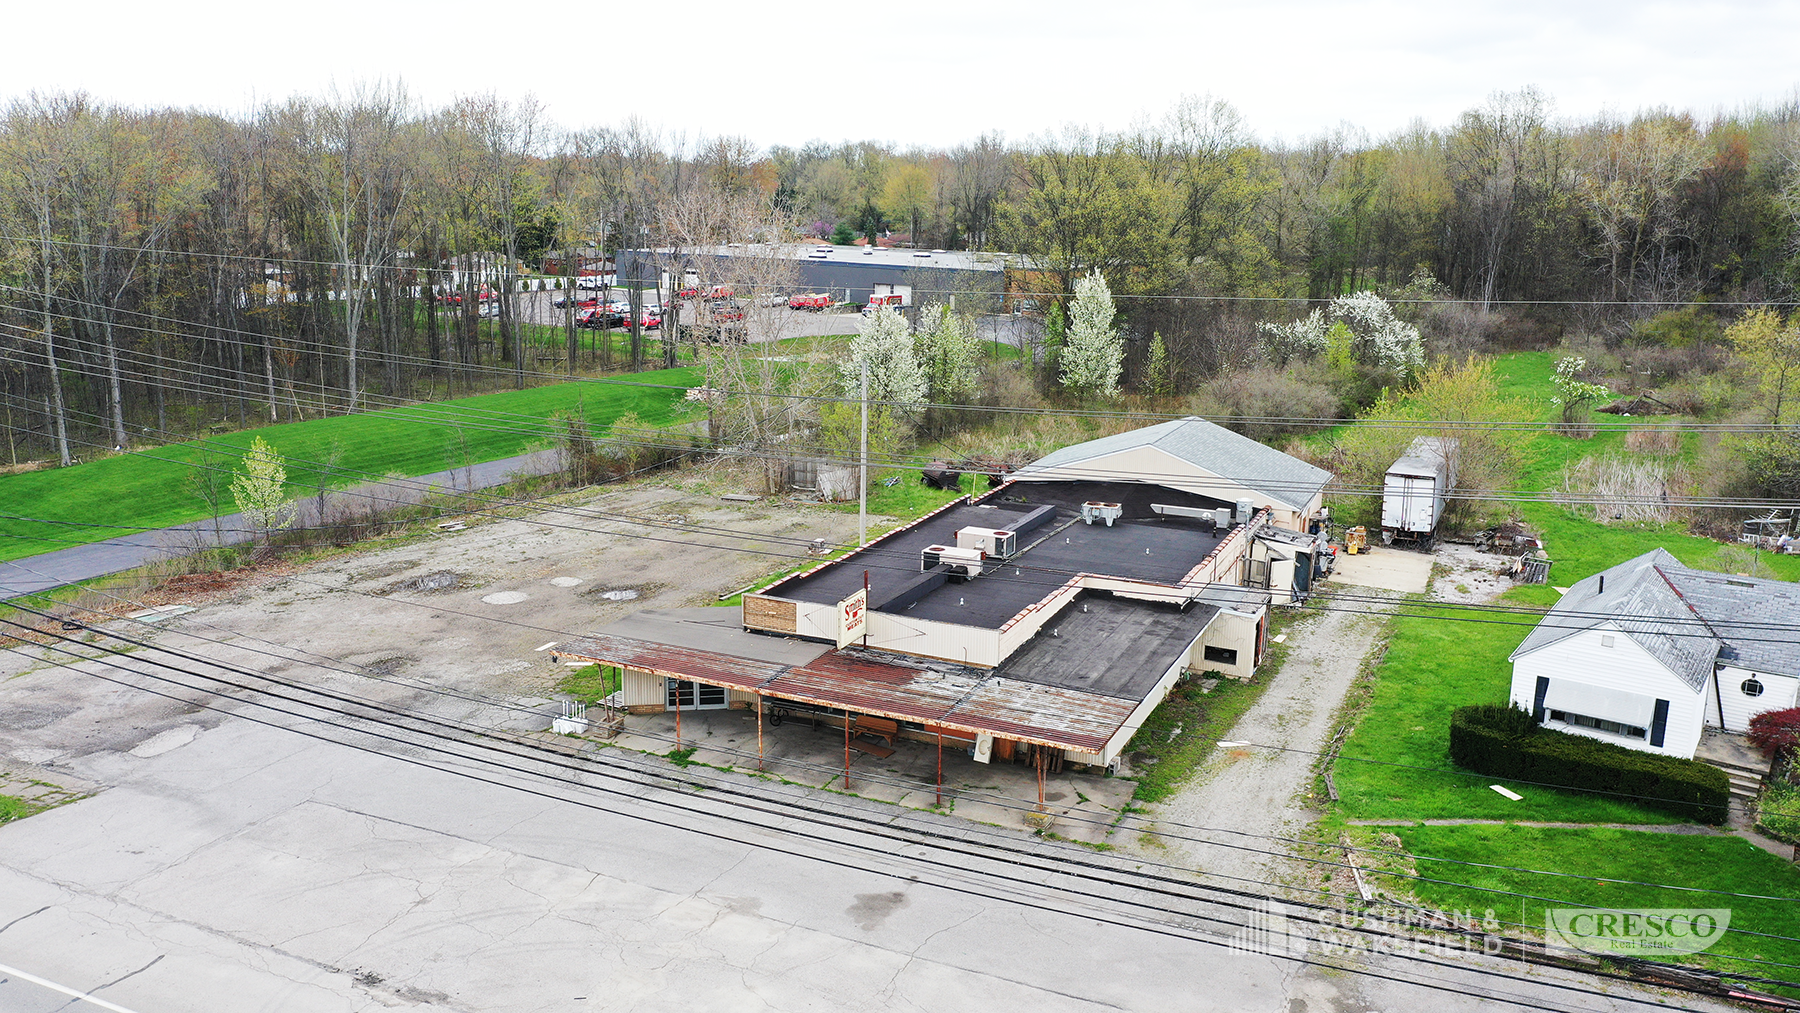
x: 1715, y: 863
x: 1432, y: 667
x: 147, y: 488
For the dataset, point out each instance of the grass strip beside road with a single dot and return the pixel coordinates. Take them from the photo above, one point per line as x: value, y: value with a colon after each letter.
x: 148, y: 488
x: 1708, y: 862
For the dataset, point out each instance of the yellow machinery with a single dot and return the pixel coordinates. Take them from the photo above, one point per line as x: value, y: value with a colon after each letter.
x: 1356, y: 540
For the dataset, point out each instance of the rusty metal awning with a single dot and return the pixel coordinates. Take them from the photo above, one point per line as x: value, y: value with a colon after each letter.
x: 954, y: 697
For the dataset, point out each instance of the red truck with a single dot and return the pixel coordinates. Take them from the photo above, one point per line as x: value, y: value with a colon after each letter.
x: 810, y: 301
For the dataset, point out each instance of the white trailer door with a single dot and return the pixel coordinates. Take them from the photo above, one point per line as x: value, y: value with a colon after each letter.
x: 1409, y: 503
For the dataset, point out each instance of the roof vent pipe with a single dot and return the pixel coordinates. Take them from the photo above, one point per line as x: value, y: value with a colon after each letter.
x: 1602, y: 584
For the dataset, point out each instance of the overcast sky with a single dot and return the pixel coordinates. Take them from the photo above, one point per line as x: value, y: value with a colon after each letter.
x: 926, y: 72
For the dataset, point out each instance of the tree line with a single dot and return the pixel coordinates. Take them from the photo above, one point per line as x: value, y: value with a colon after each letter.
x: 161, y: 267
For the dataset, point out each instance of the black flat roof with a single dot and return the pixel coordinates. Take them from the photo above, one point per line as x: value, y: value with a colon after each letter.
x: 1142, y: 545
x: 1108, y: 646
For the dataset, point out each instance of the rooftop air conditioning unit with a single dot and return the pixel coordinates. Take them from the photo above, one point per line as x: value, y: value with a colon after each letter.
x: 1222, y: 517
x: 994, y: 542
x: 1244, y: 509
x: 967, y: 561
x: 1094, y: 510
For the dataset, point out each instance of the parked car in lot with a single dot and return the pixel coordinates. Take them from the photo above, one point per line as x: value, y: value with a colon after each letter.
x: 650, y: 318
x: 771, y: 299
x: 810, y: 301
x: 590, y: 281
x: 581, y: 301
x: 601, y: 316
x: 727, y: 312
x: 455, y: 298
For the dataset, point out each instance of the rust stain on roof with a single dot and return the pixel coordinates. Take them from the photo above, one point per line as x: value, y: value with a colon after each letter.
x: 956, y: 697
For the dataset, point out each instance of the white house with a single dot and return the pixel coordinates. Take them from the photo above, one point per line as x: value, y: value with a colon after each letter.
x: 1649, y: 653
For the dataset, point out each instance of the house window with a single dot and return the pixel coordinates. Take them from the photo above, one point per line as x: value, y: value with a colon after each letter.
x: 1222, y: 655
x: 1751, y: 687
x: 1600, y: 724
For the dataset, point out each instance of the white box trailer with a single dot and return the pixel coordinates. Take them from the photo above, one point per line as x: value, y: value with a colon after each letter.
x: 1414, y: 489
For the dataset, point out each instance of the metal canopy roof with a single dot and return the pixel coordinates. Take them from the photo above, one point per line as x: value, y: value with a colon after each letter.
x: 866, y: 682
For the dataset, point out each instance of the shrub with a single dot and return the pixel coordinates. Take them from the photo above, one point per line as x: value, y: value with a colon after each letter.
x: 1775, y: 732
x: 1240, y: 400
x: 1503, y: 741
x: 1778, y: 810
x: 1682, y: 328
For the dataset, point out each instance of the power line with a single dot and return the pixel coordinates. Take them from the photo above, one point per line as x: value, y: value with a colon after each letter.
x: 512, y: 373
x: 558, y: 764
x: 708, y: 251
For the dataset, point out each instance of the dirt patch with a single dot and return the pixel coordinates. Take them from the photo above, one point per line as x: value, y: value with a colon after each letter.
x: 1470, y: 576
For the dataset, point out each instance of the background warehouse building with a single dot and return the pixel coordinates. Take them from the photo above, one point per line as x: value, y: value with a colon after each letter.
x: 851, y: 274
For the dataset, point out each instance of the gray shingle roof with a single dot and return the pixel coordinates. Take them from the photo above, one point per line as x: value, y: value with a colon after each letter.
x: 1284, y: 479
x: 1687, y: 619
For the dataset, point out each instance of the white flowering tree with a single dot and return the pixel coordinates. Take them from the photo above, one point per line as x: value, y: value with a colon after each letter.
x: 951, y: 354
x: 885, y: 344
x: 1574, y: 394
x: 1302, y: 338
x: 1380, y: 338
x: 260, y: 489
x: 1093, y: 353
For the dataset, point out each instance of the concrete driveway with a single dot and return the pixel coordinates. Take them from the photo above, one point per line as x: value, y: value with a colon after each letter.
x: 1386, y: 568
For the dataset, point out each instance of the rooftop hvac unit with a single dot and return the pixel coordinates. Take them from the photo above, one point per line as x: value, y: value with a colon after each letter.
x: 1222, y: 517
x: 1094, y: 510
x: 968, y: 561
x: 994, y: 542
x: 1244, y: 509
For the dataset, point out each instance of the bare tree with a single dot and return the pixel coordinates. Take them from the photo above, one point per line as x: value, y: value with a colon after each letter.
x: 346, y: 157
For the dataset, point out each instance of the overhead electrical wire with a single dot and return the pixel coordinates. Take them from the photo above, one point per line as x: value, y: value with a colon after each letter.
x: 710, y: 249
x: 332, y: 665
x: 511, y: 373
x: 473, y: 759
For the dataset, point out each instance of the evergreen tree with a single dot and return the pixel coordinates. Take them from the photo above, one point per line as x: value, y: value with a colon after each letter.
x: 1159, y: 374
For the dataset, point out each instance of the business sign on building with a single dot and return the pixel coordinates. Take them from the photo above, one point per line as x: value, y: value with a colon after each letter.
x: 853, y: 617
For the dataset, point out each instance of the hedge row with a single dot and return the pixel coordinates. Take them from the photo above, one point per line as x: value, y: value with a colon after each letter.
x: 1503, y: 741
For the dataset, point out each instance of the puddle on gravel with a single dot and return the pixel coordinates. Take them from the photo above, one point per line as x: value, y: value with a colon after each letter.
x: 436, y: 582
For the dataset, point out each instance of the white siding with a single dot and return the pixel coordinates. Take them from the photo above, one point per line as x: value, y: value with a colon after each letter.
x: 927, y: 638
x: 1233, y: 631
x: 1778, y: 692
x: 814, y: 620
x: 642, y: 689
x: 1624, y: 667
x: 1116, y: 744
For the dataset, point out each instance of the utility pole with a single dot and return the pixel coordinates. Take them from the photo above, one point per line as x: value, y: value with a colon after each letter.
x: 863, y: 463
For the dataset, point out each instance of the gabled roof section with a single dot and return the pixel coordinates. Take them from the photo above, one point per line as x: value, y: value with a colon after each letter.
x: 1239, y: 459
x: 1636, y: 598
x: 1754, y: 618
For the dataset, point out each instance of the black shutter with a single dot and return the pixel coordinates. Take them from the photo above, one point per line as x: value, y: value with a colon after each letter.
x: 1659, y: 723
x: 1537, y: 703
